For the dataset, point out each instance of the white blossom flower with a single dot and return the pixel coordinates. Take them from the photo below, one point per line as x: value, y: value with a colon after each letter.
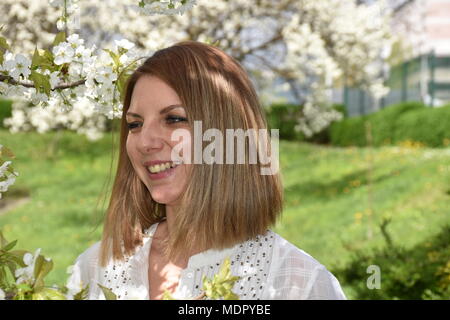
x: 26, y: 274
x: 4, y: 185
x: 60, y: 24
x: 75, y: 41
x: 106, y: 90
x: 38, y: 98
x: 106, y: 75
x: 6, y: 177
x: 18, y: 66
x: 83, y: 118
x: 4, y: 167
x: 54, y: 79
x: 163, y: 7
x: 2, y: 294
x: 57, y: 3
x: 63, y: 53
x: 124, y: 43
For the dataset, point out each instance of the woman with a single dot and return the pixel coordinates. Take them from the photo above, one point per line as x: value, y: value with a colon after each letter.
x: 169, y: 223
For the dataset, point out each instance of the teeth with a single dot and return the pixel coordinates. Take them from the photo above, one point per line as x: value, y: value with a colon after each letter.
x: 161, y: 167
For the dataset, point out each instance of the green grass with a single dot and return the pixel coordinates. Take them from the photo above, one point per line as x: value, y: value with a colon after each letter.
x: 326, y: 196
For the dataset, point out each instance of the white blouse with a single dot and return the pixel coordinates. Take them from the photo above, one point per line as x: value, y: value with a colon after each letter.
x: 269, y: 268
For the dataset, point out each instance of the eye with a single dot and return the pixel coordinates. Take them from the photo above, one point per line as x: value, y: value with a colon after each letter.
x: 132, y: 125
x: 175, y: 119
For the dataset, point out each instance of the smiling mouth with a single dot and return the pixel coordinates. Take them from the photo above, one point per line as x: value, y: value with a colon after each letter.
x: 162, y: 167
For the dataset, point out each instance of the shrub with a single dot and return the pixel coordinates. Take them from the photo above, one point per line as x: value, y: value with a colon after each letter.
x: 348, y: 132
x: 284, y: 117
x: 408, y: 121
x: 385, y: 121
x: 430, y: 126
x: 421, y: 272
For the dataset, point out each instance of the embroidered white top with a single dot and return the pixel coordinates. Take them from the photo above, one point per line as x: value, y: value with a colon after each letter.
x: 270, y: 267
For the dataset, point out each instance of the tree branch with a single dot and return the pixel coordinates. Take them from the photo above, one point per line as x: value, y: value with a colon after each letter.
x: 287, y: 76
x: 10, y: 80
x: 262, y: 46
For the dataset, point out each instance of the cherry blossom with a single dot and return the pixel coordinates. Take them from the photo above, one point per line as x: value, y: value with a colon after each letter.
x: 26, y: 274
x: 18, y: 66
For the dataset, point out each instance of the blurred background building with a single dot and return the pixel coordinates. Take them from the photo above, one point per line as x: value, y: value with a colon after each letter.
x: 418, y: 68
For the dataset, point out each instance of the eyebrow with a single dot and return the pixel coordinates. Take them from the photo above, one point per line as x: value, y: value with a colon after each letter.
x: 163, y: 111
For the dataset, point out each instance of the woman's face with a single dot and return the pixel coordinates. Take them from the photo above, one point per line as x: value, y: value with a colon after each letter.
x: 155, y: 112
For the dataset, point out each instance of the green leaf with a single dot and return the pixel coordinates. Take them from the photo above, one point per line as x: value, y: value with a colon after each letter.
x: 83, y: 294
x: 38, y: 296
x: 41, y: 268
x: 17, y: 257
x: 3, y: 241
x: 43, y: 59
x: 48, y: 294
x: 41, y: 82
x: 4, y: 44
x: 211, y: 42
x: 115, y: 57
x: 5, y: 152
x: 24, y: 292
x: 122, y: 84
x: 12, y: 266
x: 9, y: 246
x: 222, y: 283
x: 168, y: 296
x: 35, y: 61
x: 109, y: 295
x: 60, y: 37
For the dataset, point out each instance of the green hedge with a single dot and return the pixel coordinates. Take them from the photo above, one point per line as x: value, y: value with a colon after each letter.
x: 408, y: 121
x: 420, y: 272
x: 5, y: 110
x: 384, y: 123
x: 284, y: 117
x: 430, y: 126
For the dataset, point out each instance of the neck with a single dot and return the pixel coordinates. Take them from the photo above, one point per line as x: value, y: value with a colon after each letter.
x: 165, y: 227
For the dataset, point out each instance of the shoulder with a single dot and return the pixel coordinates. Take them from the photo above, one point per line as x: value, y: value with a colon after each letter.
x: 295, y: 274
x: 84, y: 270
x: 290, y: 253
x: 90, y: 256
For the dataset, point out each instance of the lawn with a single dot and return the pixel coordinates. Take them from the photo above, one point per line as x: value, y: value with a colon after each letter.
x: 335, y: 198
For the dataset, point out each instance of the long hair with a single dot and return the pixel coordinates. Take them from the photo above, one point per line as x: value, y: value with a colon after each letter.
x: 223, y: 204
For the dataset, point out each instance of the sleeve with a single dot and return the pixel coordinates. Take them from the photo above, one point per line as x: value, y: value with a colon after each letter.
x: 84, y: 272
x: 323, y: 286
x: 296, y: 275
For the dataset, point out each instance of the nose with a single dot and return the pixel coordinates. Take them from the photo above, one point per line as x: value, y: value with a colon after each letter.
x: 150, y: 139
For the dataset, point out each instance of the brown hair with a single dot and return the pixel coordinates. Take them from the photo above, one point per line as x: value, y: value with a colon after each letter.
x: 223, y: 204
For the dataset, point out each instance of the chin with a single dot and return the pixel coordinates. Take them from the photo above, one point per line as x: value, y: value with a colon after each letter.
x: 163, y: 197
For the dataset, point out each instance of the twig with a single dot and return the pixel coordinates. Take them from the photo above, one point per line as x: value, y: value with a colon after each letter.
x: 11, y: 80
x: 384, y: 232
